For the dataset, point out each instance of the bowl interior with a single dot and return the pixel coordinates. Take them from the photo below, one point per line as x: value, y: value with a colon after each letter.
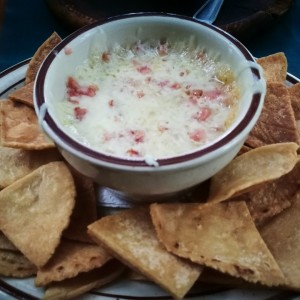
x: 127, y: 30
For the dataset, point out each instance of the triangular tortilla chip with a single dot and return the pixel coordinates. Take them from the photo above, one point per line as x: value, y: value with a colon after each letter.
x: 274, y: 66
x: 218, y: 235
x: 40, y: 55
x: 36, y: 209
x: 16, y: 163
x: 23, y: 94
x: 131, y: 237
x: 14, y: 264
x: 276, y: 123
x: 85, y: 202
x: 294, y: 92
x: 20, y: 128
x: 282, y: 237
x: 249, y: 170
x: 70, y: 259
x: 74, y: 287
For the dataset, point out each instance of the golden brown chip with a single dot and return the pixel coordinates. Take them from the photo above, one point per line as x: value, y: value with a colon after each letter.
x: 20, y: 128
x: 73, y: 287
x: 272, y: 198
x: 294, y: 92
x: 131, y: 237
x: 85, y: 211
x: 70, y: 259
x: 36, y: 209
x: 23, y: 94
x: 274, y: 66
x: 40, y: 55
x: 6, y: 244
x: 282, y: 237
x: 217, y: 235
x: 277, y: 123
x: 15, y: 264
x: 16, y: 163
x: 247, y: 171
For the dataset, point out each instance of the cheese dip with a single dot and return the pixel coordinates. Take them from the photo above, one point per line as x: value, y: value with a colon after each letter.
x: 152, y: 99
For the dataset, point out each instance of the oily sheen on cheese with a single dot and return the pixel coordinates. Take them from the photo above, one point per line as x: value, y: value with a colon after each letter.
x: 152, y: 99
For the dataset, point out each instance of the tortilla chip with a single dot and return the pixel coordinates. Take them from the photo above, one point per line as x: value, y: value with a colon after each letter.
x: 23, y: 94
x: 272, y: 198
x: 6, y: 244
x: 70, y: 259
x: 40, y: 55
x: 84, y: 282
x: 294, y: 92
x: 131, y: 237
x: 36, y: 209
x: 249, y: 170
x: 14, y: 264
x: 20, y: 128
x: 277, y: 123
x: 282, y: 237
x: 85, y: 202
x: 221, y: 236
x: 274, y: 67
x: 16, y: 163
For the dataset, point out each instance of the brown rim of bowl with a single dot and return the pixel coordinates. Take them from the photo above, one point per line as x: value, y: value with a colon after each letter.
x: 72, y: 143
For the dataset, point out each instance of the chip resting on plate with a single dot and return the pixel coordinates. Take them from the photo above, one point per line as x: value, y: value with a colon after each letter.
x: 70, y: 259
x: 276, y: 123
x: 251, y: 169
x: 274, y: 67
x: 23, y: 94
x: 85, y: 210
x: 84, y: 282
x: 20, y: 128
x: 16, y: 163
x: 40, y: 55
x: 221, y: 236
x: 282, y: 237
x: 131, y: 237
x: 36, y: 209
x: 15, y: 264
x: 294, y: 91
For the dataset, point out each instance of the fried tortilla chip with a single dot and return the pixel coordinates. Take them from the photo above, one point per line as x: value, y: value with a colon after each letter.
x: 294, y: 92
x: 276, y: 123
x: 221, y: 236
x: 84, y: 282
x: 249, y: 170
x: 16, y: 163
x: 23, y: 94
x: 85, y: 202
x: 282, y: 237
x: 6, y: 244
x: 36, y: 209
x: 70, y: 259
x: 274, y: 66
x: 131, y: 237
x: 272, y: 198
x: 20, y: 128
x: 14, y: 264
x: 40, y: 55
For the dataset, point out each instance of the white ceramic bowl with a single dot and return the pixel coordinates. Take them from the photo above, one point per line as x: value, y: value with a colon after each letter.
x: 135, y: 177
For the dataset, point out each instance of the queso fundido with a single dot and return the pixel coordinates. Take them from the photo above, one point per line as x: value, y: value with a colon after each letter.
x: 149, y: 100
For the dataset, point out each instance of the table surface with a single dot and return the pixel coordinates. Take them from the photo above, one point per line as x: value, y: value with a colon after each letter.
x: 24, y: 25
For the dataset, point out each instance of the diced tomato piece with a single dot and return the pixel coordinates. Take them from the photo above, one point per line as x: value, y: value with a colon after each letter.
x: 68, y: 50
x: 148, y: 79
x: 203, y: 114
x: 140, y: 94
x: 105, y: 57
x: 138, y: 135
x: 144, y: 70
x: 74, y: 89
x: 111, y: 103
x: 175, y: 86
x: 196, y: 135
x: 197, y: 93
x: 79, y: 112
x: 212, y: 94
x: 132, y: 152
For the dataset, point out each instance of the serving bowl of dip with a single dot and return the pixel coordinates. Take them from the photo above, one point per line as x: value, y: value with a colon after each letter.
x: 149, y: 104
